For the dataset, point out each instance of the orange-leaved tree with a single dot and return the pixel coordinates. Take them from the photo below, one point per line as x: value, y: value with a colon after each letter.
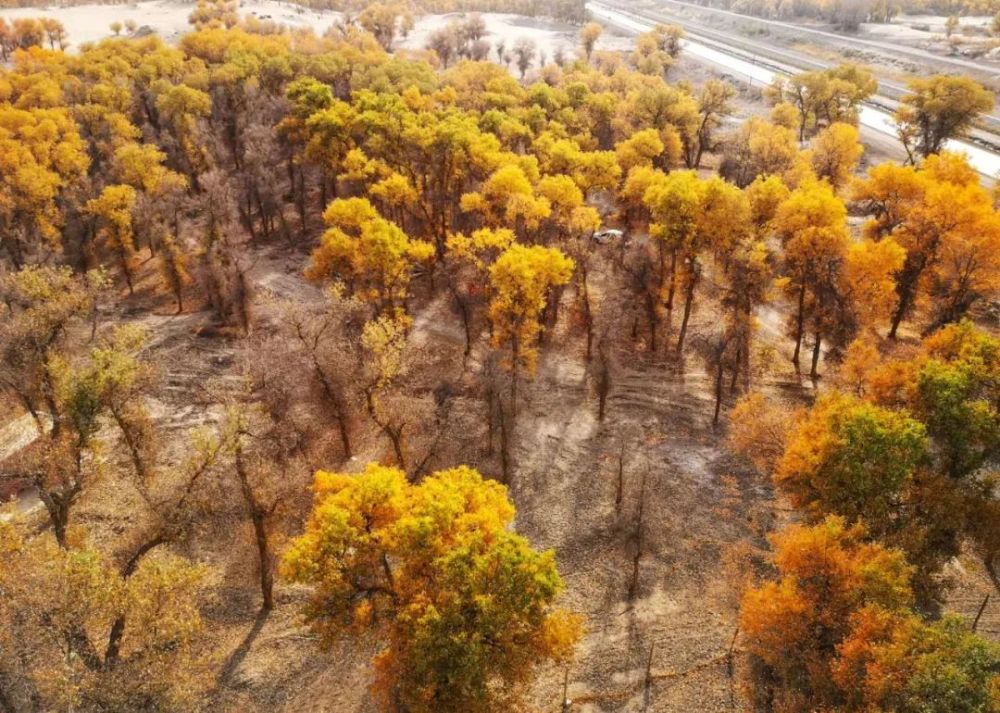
x: 836, y: 631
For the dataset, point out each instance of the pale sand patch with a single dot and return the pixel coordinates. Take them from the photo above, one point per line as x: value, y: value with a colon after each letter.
x: 91, y: 23
x: 168, y: 19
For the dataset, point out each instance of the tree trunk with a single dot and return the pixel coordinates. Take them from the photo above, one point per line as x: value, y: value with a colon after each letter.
x: 463, y: 311
x: 737, y: 364
x: 515, y: 355
x: 647, y: 685
x: 688, y: 303
x: 258, y: 516
x: 588, y: 316
x: 673, y: 282
x: 131, y: 442
x: 490, y: 415
x: 718, y: 389
x: 113, y: 649
x: 57, y: 506
x: 799, y: 324
x: 336, y: 402
x: 396, y: 438
x: 126, y: 270
x: 905, y: 298
x: 301, y: 202
x: 698, y: 153
x: 814, y: 372
x: 654, y: 320
x: 395, y: 435
x: 504, y: 444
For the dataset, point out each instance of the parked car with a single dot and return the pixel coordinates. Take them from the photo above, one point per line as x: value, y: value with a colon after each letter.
x: 608, y: 235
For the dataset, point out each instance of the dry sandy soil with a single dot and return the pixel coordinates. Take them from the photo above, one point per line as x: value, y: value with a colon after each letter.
x: 701, y: 506
x: 91, y: 23
x: 705, y: 513
x: 928, y: 29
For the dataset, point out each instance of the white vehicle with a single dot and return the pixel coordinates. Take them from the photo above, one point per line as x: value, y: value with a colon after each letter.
x: 603, y: 237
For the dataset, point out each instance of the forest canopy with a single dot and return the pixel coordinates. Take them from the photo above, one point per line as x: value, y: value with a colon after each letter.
x: 302, y: 328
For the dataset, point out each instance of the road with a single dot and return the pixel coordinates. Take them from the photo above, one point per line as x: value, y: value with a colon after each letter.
x: 871, y: 117
x: 959, y: 64
x: 792, y: 61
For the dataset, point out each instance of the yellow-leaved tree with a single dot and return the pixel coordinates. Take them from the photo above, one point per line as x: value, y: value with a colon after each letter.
x: 77, y: 634
x: 464, y: 605
x: 812, y: 226
x: 521, y: 280
x: 792, y: 627
x: 837, y: 631
x: 939, y: 108
x: 469, y: 258
x: 945, y: 221
x: 41, y: 154
x: 113, y: 212
x: 371, y: 255
x: 835, y: 153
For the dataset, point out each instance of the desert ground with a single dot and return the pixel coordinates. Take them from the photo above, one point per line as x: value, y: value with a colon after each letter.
x: 658, y: 585
x: 91, y: 23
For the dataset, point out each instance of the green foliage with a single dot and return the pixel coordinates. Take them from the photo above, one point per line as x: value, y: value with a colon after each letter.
x: 853, y: 459
x: 957, y: 396
x: 937, y: 668
x: 463, y: 604
x: 836, y: 632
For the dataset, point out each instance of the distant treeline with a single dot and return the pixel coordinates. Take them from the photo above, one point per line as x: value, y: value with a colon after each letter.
x: 850, y: 13
x: 60, y: 3
x: 569, y: 10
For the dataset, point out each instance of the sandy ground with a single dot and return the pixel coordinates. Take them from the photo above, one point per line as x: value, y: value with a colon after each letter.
x: 973, y: 33
x: 703, y: 508
x: 705, y: 517
x: 91, y: 23
x: 548, y: 35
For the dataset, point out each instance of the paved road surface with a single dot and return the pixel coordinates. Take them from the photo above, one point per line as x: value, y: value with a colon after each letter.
x: 876, y: 120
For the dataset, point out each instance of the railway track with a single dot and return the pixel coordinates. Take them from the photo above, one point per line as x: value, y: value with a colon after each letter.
x: 982, y: 146
x: 790, y: 62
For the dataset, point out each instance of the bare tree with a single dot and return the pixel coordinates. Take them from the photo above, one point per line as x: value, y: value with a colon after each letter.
x: 479, y: 50
x: 525, y: 51
x: 719, y: 351
x: 260, y: 460
x: 638, y: 538
x: 223, y: 269
x: 443, y: 43
x: 324, y: 341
